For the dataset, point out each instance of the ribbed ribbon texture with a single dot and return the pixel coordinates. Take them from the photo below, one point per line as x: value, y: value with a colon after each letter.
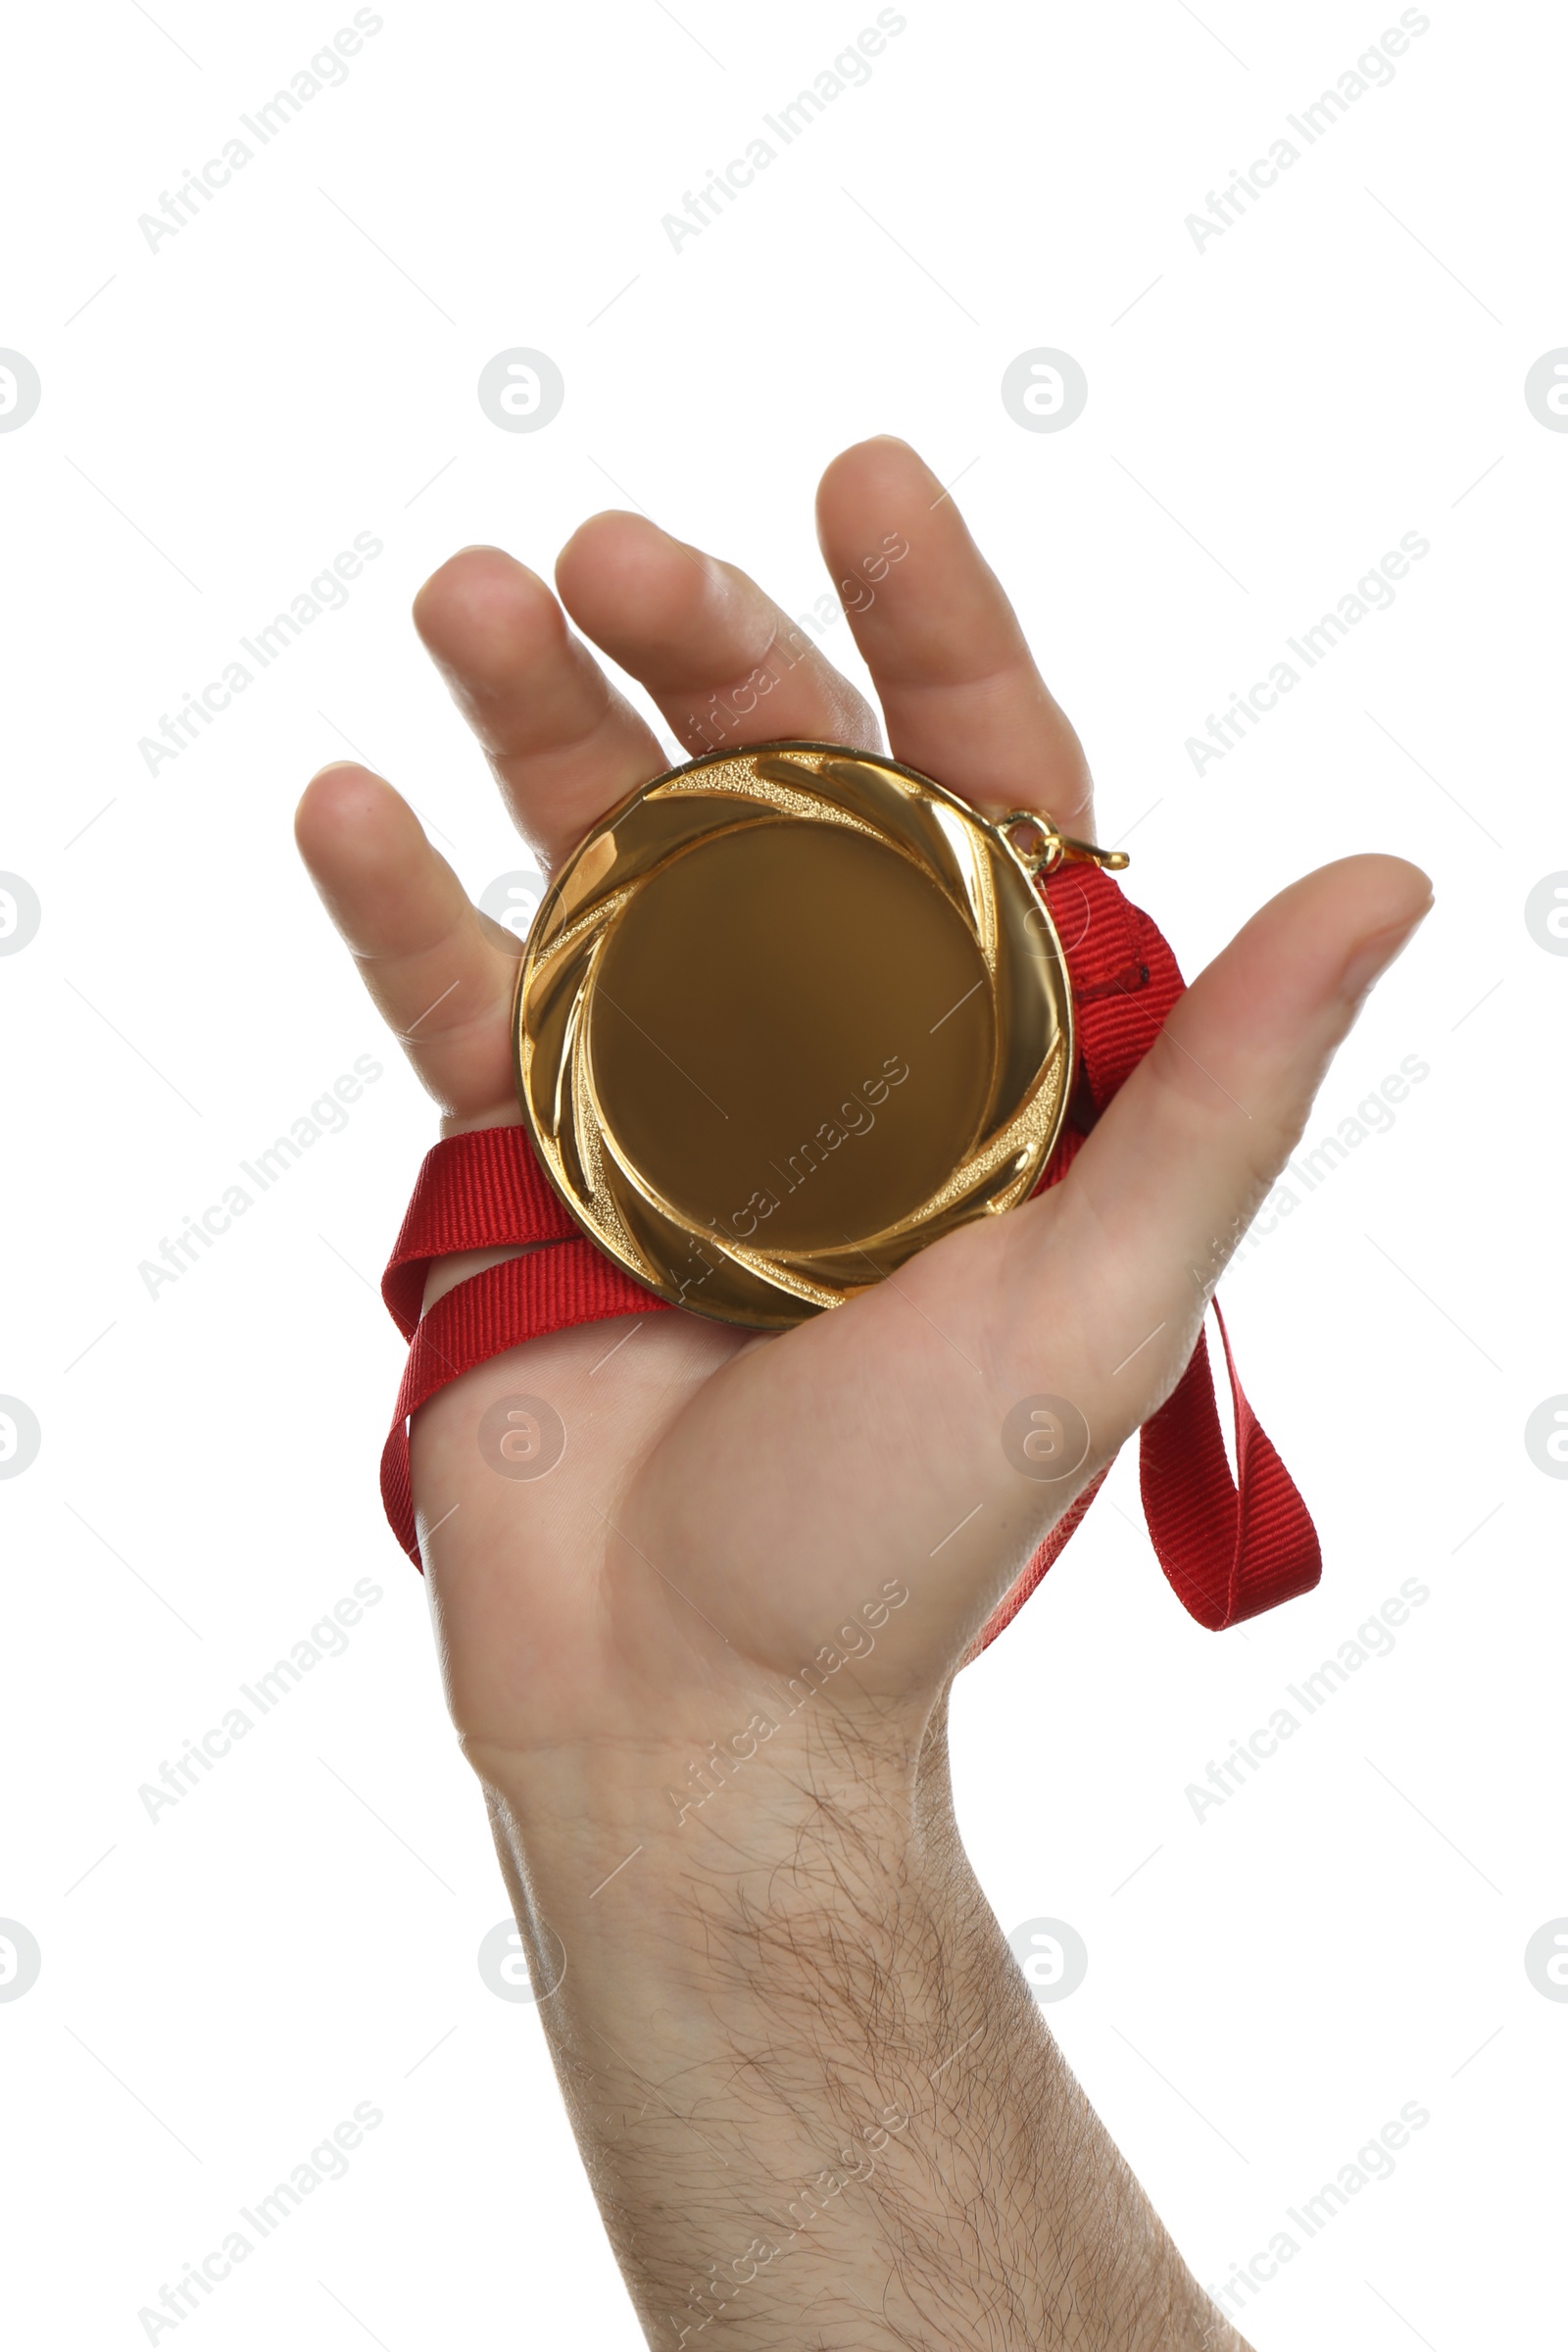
x: 1230, y: 1547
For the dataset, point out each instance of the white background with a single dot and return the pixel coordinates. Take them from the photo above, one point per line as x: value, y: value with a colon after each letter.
x: 298, y: 364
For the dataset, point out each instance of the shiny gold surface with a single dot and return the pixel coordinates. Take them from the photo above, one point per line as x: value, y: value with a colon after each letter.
x: 788, y: 1015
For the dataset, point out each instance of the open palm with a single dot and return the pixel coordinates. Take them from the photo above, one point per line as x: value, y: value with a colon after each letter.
x: 730, y: 1508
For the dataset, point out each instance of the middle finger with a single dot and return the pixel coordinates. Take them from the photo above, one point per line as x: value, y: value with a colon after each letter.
x: 725, y: 664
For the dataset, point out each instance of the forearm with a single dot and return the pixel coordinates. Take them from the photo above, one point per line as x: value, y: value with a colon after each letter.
x: 816, y: 2101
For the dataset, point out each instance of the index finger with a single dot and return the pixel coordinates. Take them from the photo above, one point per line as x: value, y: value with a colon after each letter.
x: 959, y: 690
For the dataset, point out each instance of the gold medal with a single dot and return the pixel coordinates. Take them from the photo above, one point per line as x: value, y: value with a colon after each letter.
x: 786, y: 1017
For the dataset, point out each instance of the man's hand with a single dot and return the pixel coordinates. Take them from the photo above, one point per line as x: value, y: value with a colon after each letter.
x: 702, y: 1666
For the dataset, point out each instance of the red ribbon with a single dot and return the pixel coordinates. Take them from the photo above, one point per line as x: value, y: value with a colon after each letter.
x: 1230, y: 1547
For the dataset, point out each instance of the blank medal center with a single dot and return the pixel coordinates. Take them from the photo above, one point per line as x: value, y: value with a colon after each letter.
x: 755, y: 1007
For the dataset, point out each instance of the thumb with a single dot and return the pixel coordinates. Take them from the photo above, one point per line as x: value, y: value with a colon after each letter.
x: 1185, y: 1154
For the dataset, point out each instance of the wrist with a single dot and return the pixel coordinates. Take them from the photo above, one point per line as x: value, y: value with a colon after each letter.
x: 608, y: 1830
x: 710, y: 1866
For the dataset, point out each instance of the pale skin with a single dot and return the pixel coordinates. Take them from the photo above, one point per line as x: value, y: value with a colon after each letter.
x: 797, y: 1980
